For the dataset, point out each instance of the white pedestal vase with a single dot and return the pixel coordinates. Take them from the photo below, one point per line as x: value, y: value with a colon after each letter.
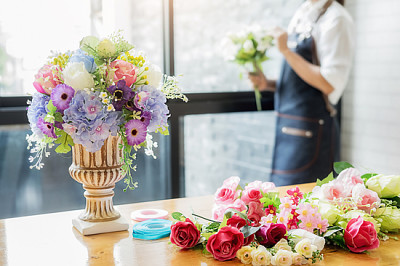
x: 98, y: 172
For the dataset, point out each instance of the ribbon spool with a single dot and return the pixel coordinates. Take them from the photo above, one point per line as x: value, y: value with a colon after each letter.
x: 146, y: 214
x: 152, y: 229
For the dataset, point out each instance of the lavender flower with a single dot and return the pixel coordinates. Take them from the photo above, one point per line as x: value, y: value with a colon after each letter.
x: 155, y: 104
x: 46, y: 128
x: 91, y: 121
x: 37, y: 110
x: 121, y: 94
x: 61, y: 96
x: 136, y: 132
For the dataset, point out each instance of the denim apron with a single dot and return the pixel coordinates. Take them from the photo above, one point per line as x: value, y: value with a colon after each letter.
x: 307, y: 130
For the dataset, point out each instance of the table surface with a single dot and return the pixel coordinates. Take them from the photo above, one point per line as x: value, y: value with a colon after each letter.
x: 50, y: 239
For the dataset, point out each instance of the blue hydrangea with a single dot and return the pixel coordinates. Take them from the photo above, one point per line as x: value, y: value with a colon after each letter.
x: 91, y: 120
x: 37, y: 109
x: 156, y: 105
x: 88, y: 61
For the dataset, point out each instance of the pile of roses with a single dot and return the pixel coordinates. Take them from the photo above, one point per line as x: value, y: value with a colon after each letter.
x: 353, y: 211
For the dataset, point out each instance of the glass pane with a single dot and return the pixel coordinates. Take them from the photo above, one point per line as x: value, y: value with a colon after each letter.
x: 201, y: 25
x: 218, y: 146
x: 26, y: 44
x: 25, y: 191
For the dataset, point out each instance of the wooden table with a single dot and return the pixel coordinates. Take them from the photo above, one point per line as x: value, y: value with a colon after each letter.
x: 50, y: 239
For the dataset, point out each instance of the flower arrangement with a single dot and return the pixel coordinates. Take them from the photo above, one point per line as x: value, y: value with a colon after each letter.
x: 353, y: 211
x: 248, y: 48
x: 104, y: 88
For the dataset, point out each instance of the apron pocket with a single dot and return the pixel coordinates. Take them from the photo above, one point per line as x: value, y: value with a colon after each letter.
x: 298, y: 142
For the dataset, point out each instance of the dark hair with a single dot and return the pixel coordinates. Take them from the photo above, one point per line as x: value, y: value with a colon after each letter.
x: 340, y: 2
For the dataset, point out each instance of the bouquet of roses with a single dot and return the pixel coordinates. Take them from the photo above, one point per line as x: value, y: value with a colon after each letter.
x: 103, y: 88
x: 248, y: 48
x: 256, y: 226
x: 360, y: 208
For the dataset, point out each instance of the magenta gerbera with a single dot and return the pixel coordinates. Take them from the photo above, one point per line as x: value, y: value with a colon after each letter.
x: 136, y: 132
x: 61, y: 96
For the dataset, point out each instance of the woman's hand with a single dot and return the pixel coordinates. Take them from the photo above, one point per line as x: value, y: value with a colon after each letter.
x: 258, y: 80
x: 281, y: 38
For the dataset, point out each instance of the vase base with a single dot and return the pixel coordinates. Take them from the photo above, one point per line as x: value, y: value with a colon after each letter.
x: 91, y: 228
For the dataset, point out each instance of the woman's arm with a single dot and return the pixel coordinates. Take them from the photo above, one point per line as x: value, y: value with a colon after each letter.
x: 305, y: 70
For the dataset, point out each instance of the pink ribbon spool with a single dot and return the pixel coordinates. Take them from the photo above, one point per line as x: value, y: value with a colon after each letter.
x: 146, y: 214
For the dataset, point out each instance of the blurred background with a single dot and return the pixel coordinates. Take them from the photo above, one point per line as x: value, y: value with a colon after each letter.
x: 216, y: 134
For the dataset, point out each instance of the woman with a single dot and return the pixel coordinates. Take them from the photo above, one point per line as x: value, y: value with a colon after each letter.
x: 318, y: 52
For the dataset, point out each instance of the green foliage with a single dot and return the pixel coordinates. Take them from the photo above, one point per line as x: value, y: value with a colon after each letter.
x: 270, y: 198
x: 64, y: 140
x: 340, y: 166
x: 325, y: 180
x: 331, y: 230
x: 365, y: 177
x: 178, y: 216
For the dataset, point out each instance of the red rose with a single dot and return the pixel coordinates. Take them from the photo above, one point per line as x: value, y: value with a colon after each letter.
x: 255, y: 212
x: 184, y: 234
x: 360, y: 235
x: 236, y: 221
x: 225, y: 243
x: 248, y: 240
x: 270, y: 234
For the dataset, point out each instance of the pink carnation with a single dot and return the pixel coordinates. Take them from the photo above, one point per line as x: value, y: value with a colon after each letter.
x: 349, y: 178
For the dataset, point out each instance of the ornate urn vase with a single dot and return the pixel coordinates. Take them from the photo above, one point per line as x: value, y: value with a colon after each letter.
x: 98, y: 172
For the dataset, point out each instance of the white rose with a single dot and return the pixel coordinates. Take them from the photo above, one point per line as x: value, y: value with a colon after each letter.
x: 299, y: 234
x: 386, y: 186
x: 305, y: 248
x: 260, y: 256
x: 154, y: 75
x: 248, y: 46
x: 76, y: 76
x: 298, y: 259
x: 282, y: 258
x: 106, y: 48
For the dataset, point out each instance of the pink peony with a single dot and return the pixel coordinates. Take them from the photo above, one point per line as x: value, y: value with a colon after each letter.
x: 333, y: 190
x: 124, y: 70
x: 366, y: 198
x: 47, y: 78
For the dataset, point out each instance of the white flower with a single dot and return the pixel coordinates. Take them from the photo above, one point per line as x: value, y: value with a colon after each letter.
x: 386, y: 186
x: 305, y: 248
x: 154, y: 75
x: 76, y: 76
x: 261, y: 256
x: 282, y: 258
x: 298, y: 259
x: 106, y: 48
x: 248, y: 46
x: 299, y: 234
x: 329, y: 212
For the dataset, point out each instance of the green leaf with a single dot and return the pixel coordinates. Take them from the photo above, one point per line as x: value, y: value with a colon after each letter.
x: 248, y: 230
x: 325, y: 180
x: 365, y: 177
x: 52, y: 109
x: 225, y: 220
x: 178, y: 216
x: 340, y: 166
x: 58, y: 117
x: 332, y: 230
x: 207, y: 235
x: 213, y: 227
x: 230, y: 212
x: 64, y: 140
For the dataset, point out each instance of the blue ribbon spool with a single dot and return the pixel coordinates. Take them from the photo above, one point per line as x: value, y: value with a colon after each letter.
x: 152, y: 229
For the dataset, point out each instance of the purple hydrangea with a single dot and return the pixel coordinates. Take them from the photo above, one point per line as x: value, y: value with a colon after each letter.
x: 121, y: 94
x: 91, y: 121
x: 156, y: 105
x: 37, y: 110
x: 61, y: 96
x: 136, y: 132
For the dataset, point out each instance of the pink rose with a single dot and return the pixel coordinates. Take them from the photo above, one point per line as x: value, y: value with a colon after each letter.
x: 184, y: 234
x: 270, y: 234
x: 219, y: 209
x: 226, y: 195
x: 366, y: 198
x: 124, y: 70
x: 255, y: 212
x: 251, y: 194
x: 225, y: 243
x: 349, y: 178
x: 47, y: 78
x: 236, y: 221
x: 268, y: 187
x: 231, y: 182
x: 333, y: 190
x: 360, y: 235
